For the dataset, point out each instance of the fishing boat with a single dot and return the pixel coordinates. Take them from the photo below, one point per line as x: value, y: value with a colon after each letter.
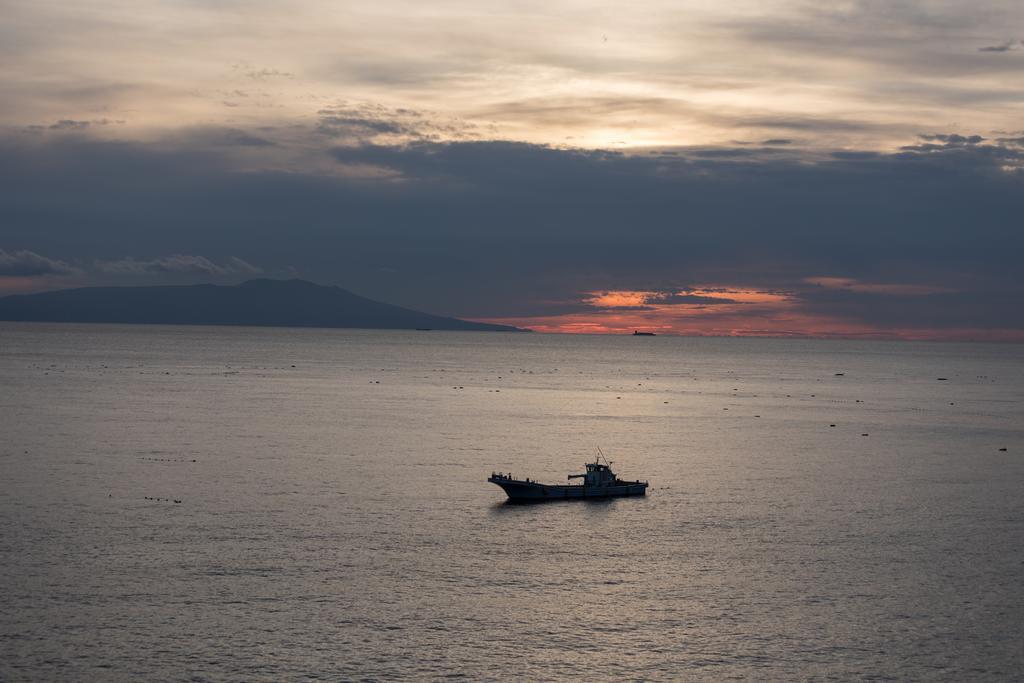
x: 598, y: 482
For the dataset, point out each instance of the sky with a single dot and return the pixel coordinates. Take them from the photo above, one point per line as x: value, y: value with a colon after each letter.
x: 846, y: 169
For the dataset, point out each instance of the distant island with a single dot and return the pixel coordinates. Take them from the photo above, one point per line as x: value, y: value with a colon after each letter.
x: 262, y: 302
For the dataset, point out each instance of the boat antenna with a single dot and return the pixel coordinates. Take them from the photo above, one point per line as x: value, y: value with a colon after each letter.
x: 607, y: 462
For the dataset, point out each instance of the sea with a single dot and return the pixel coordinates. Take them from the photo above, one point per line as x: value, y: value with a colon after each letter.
x: 258, y: 504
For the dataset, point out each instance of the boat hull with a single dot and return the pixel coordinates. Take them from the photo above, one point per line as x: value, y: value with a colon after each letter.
x: 523, y: 491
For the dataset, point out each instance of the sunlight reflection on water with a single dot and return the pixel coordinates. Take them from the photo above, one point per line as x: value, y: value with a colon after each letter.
x: 338, y: 527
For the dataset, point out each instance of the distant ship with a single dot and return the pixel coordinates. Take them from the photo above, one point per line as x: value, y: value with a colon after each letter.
x: 598, y: 482
x: 638, y: 333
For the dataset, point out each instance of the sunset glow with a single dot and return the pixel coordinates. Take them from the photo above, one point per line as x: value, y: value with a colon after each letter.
x: 737, y: 312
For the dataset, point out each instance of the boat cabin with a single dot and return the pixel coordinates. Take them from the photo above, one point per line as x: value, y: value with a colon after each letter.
x: 597, y: 475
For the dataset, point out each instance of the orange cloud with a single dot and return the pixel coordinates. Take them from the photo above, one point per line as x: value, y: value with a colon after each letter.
x: 704, y: 310
x: 743, y: 312
x: 618, y: 299
x: 697, y: 297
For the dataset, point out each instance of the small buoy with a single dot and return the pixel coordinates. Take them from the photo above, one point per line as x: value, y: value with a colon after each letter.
x: 864, y: 434
x: 1002, y: 449
x: 831, y: 425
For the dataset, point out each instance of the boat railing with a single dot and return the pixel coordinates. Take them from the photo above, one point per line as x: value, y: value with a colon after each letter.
x: 502, y: 476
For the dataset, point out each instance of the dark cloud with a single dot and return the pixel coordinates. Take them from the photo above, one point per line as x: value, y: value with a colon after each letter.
x: 228, y: 137
x: 691, y: 299
x: 938, y: 311
x: 69, y: 124
x: 854, y: 155
x: 341, y: 123
x: 502, y: 228
x: 624, y: 308
x: 73, y: 125
x: 366, y: 122
x: 25, y: 263
x: 733, y: 152
x: 653, y: 300
x: 1008, y: 46
x: 954, y: 138
x: 777, y: 141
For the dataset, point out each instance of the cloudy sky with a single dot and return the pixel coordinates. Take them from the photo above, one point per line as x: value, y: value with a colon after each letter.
x: 772, y: 167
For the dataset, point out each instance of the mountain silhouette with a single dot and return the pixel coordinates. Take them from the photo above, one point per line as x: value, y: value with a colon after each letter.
x: 262, y: 302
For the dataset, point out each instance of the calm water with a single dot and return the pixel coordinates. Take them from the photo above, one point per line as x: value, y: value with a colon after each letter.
x: 335, y: 522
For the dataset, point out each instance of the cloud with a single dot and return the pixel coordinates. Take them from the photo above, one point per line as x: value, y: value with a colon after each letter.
x: 854, y: 155
x: 223, y: 137
x: 264, y: 74
x: 237, y: 265
x: 884, y: 289
x: 367, y: 122
x: 26, y: 263
x: 852, y: 73
x: 652, y: 300
x: 498, y: 228
x: 69, y: 124
x: 730, y: 152
x: 805, y: 123
x: 348, y: 123
x: 688, y: 299
x: 176, y: 263
x: 954, y: 138
x: 73, y: 125
x: 944, y: 310
x: 1008, y: 46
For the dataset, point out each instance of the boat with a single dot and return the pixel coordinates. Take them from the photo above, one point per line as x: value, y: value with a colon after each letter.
x: 638, y: 333
x: 598, y: 482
